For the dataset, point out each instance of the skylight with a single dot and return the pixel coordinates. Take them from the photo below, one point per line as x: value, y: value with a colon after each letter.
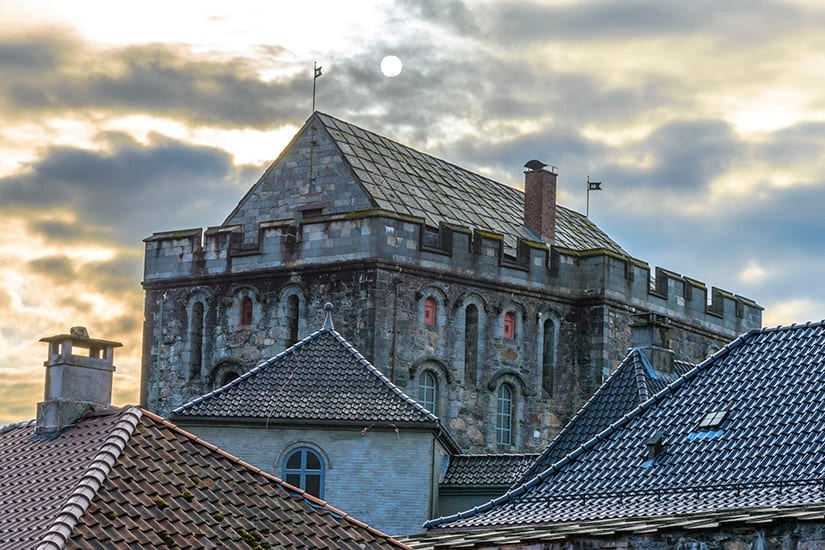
x: 712, y: 420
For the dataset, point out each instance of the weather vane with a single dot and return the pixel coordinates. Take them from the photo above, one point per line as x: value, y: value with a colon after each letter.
x: 316, y: 74
x: 591, y: 186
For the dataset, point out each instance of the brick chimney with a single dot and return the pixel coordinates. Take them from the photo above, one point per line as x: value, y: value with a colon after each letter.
x: 75, y: 383
x: 540, y: 200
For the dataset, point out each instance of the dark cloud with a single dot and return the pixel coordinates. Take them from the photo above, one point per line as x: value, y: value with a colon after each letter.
x: 117, y: 276
x: 163, y: 80
x: 131, y: 188
x: 521, y: 22
x: 453, y: 15
x: 60, y: 268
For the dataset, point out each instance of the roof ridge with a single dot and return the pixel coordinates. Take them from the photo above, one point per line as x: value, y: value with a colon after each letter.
x: 89, y: 483
x: 397, y: 142
x: 315, y: 502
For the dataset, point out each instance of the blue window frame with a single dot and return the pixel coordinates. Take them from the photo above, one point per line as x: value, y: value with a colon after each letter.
x: 304, y: 468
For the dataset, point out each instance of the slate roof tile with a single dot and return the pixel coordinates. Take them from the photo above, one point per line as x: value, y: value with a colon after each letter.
x: 127, y: 478
x: 764, y: 455
x: 321, y: 378
x: 486, y: 469
x: 405, y: 181
x: 633, y: 382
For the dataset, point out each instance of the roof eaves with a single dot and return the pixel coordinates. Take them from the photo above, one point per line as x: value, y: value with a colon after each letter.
x: 57, y: 535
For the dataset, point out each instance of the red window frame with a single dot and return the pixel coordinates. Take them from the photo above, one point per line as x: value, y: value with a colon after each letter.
x: 430, y: 311
x: 246, y: 311
x: 509, y: 325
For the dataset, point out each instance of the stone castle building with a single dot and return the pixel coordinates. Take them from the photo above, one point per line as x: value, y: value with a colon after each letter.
x: 499, y: 310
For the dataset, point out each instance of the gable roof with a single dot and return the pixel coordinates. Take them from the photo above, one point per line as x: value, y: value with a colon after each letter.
x: 769, y: 451
x: 404, y: 181
x: 322, y: 378
x: 127, y: 478
x: 633, y: 382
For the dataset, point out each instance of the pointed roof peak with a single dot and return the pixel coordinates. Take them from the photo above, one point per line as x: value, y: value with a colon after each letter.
x: 328, y: 307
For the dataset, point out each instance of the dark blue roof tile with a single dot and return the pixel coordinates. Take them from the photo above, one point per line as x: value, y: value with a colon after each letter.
x: 769, y: 452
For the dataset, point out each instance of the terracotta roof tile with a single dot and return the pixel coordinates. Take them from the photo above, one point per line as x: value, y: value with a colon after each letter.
x: 129, y: 478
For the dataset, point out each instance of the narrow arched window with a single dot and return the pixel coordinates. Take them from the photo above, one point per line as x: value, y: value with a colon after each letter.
x: 509, y: 325
x: 548, y: 358
x: 292, y: 318
x: 470, y: 344
x: 246, y: 311
x: 196, y: 340
x: 228, y: 377
x: 504, y: 415
x: 428, y: 391
x: 429, y: 311
x: 304, y: 469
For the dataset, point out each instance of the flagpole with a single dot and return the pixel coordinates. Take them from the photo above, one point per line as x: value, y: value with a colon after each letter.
x: 591, y: 186
x: 316, y: 72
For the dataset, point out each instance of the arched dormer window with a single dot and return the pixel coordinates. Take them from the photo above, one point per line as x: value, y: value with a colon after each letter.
x: 430, y: 311
x: 509, y: 329
x: 504, y: 415
x: 246, y: 311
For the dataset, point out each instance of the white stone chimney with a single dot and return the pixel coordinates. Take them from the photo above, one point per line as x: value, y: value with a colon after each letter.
x: 75, y: 383
x: 540, y: 200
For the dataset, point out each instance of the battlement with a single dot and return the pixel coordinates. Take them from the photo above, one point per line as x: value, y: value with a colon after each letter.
x: 477, y: 255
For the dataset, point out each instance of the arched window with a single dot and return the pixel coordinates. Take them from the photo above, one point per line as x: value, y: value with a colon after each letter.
x: 292, y: 318
x: 304, y: 468
x: 470, y: 344
x: 228, y: 377
x: 509, y: 325
x: 428, y: 391
x: 429, y: 311
x: 246, y: 311
x: 548, y: 358
x: 196, y: 340
x: 504, y: 415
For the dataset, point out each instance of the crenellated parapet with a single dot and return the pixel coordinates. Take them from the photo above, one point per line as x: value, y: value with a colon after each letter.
x: 462, y: 252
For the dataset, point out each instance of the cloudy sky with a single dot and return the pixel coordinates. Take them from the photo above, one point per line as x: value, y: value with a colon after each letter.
x: 704, y: 120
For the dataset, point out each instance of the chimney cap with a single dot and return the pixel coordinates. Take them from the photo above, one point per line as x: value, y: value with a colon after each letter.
x: 535, y: 164
x: 84, y: 341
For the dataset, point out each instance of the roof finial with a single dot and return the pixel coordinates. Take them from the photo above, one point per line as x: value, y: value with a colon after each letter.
x: 328, y: 307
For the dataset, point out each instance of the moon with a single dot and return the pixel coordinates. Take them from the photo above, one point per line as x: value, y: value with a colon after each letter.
x: 391, y: 66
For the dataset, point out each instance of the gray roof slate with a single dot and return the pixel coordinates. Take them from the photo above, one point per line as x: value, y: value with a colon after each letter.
x: 486, y: 469
x: 405, y: 181
x: 769, y: 452
x: 633, y: 382
x: 321, y: 378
